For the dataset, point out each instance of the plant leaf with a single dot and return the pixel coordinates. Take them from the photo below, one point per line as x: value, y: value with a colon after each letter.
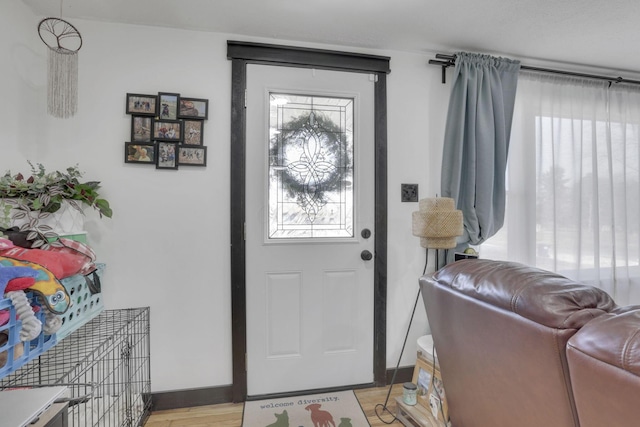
x: 74, y: 204
x: 104, y: 208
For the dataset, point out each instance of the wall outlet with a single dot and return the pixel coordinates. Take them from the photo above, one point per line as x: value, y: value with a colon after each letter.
x: 409, y: 192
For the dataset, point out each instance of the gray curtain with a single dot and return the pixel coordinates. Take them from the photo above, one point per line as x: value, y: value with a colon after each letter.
x: 476, y: 142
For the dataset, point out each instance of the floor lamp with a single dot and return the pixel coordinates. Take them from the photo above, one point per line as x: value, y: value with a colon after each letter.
x: 437, y: 223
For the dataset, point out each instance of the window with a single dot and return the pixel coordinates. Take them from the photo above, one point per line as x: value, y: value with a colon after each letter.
x: 575, y: 209
x: 310, y: 167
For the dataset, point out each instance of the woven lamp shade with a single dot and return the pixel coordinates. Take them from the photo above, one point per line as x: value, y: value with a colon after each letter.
x: 437, y: 223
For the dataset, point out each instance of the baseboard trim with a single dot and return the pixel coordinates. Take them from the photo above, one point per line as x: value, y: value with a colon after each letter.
x: 187, y: 398
x: 190, y: 397
x: 404, y: 375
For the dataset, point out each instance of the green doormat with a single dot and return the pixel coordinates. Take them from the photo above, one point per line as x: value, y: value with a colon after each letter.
x: 339, y: 409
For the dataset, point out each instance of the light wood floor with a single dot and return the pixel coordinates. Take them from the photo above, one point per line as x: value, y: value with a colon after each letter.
x: 230, y: 414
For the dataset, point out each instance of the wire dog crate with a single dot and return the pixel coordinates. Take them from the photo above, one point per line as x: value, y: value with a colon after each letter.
x: 106, y: 365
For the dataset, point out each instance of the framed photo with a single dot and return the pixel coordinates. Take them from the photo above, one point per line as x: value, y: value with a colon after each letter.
x: 167, y: 130
x: 194, y: 108
x: 168, y: 105
x: 192, y: 132
x: 145, y: 105
x: 167, y: 157
x: 431, y: 393
x: 135, y: 152
x: 192, y: 156
x: 141, y: 128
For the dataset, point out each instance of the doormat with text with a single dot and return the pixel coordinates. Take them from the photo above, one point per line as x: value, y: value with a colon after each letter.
x: 339, y: 409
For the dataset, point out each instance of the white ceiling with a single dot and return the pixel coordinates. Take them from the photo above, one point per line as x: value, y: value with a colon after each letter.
x: 584, y: 32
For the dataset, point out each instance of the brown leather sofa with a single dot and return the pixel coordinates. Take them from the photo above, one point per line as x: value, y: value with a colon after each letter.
x: 501, y: 331
x: 604, y: 362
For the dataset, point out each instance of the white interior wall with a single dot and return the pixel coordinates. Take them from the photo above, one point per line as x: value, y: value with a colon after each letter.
x: 167, y: 245
x: 23, y: 72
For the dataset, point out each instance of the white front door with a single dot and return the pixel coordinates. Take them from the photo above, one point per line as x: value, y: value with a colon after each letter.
x: 309, y: 196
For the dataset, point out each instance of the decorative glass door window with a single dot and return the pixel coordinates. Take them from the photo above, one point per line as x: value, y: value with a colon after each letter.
x: 310, y: 167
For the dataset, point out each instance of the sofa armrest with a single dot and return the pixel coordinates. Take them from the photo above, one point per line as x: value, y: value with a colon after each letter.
x: 604, y: 366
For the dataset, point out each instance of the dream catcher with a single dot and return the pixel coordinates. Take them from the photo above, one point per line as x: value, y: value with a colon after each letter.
x: 64, y: 42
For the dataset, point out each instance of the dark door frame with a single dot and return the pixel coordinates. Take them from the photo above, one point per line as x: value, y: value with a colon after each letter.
x: 241, y: 54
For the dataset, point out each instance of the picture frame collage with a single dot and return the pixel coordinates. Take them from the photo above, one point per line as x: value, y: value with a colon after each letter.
x: 167, y: 130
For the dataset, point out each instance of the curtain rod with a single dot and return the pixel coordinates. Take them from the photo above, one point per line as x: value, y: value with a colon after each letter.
x: 446, y: 61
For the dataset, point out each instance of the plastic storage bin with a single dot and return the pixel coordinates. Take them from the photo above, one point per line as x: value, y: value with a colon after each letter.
x: 86, y: 298
x: 9, y: 360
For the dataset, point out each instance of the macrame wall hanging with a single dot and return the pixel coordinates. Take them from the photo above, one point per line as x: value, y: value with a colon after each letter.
x: 64, y: 42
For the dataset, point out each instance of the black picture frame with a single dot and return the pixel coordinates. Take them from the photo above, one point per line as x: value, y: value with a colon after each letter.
x: 193, y: 108
x: 140, y: 152
x: 193, y: 132
x: 167, y: 155
x: 141, y: 128
x: 168, y: 105
x: 141, y: 104
x: 192, y: 155
x: 167, y: 130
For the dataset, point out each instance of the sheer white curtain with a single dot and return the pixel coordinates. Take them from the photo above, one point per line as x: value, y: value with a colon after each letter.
x: 573, y: 192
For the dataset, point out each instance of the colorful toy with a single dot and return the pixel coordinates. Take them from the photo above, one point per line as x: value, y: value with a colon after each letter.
x: 13, y: 281
x: 48, y: 289
x: 16, y: 278
x: 61, y: 264
x: 77, y: 251
x: 31, y: 325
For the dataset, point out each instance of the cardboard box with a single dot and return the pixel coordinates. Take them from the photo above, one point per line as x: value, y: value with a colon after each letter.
x: 426, y: 375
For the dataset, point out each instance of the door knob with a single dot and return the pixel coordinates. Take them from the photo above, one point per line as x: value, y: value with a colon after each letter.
x: 366, y: 233
x: 366, y: 255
